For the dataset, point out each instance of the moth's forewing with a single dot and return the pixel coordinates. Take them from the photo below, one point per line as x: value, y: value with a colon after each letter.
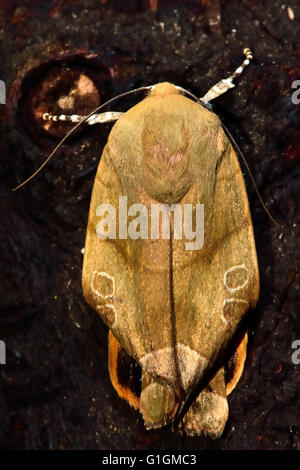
x: 208, y: 413
x: 173, y: 309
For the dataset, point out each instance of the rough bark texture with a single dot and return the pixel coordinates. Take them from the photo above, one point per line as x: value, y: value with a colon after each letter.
x: 55, y: 391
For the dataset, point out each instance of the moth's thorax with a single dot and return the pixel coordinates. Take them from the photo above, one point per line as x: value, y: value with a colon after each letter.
x: 167, y: 135
x: 165, y: 166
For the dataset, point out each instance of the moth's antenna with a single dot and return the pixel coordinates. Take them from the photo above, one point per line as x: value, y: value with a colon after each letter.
x: 217, y: 90
x: 227, y: 83
x: 126, y: 93
x: 250, y: 174
x: 94, y: 119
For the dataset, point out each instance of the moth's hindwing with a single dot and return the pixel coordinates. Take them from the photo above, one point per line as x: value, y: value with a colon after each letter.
x: 124, y: 372
x: 173, y: 309
x: 126, y: 378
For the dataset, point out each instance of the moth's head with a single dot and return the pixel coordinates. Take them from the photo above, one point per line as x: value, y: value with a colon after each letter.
x: 163, y: 89
x: 167, y: 88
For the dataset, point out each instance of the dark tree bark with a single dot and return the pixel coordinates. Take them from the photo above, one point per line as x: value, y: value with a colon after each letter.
x: 55, y: 391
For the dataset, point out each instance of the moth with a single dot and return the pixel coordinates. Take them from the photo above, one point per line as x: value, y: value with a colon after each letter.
x: 173, y: 309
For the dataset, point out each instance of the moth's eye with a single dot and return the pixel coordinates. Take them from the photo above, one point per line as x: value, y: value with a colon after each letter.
x: 208, y: 106
x: 61, y: 90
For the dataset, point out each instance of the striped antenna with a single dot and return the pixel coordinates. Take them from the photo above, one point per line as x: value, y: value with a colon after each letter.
x: 126, y: 93
x: 227, y: 83
x: 94, y: 119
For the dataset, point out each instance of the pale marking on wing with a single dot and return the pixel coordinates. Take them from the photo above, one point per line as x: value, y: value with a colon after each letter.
x: 228, y: 301
x: 161, y: 364
x: 96, y: 291
x: 234, y: 268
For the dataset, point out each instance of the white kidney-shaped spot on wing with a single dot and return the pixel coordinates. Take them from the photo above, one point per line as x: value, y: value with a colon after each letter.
x: 236, y: 278
x: 230, y: 301
x: 103, y: 284
x: 161, y: 364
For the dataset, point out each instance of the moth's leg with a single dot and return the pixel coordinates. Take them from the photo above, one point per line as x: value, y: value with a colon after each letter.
x: 235, y: 366
x: 227, y: 83
x: 125, y: 373
x: 94, y: 119
x: 209, y: 412
x: 157, y: 403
